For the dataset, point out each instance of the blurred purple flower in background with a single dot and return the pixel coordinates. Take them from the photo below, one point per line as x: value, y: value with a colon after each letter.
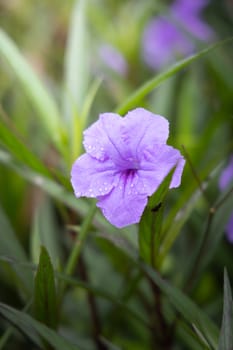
x: 113, y: 59
x: 167, y: 37
x: 224, y: 180
x: 163, y: 42
x: 126, y: 160
x: 188, y: 14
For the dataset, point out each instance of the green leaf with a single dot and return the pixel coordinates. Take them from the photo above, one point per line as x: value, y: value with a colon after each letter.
x: 151, y: 223
x: 45, y: 299
x: 202, y: 324
x: 188, y: 309
x: 43, y: 103
x: 20, y: 151
x: 204, y: 327
x: 219, y: 222
x: 170, y: 235
x: 34, y: 329
x: 137, y: 96
x: 114, y: 299
x: 10, y: 247
x: 45, y: 232
x: 76, y: 63
x: 226, y: 334
x: 182, y: 209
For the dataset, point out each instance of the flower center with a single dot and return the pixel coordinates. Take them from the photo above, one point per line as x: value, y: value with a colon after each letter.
x: 133, y: 164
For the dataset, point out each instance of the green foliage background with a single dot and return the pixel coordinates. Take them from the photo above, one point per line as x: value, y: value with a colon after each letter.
x: 68, y: 279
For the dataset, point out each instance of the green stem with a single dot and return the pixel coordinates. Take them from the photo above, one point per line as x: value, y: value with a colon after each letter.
x: 81, y: 237
x: 75, y: 253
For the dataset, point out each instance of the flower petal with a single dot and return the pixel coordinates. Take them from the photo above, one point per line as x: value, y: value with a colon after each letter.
x: 229, y: 229
x: 96, y: 140
x: 103, y: 139
x: 226, y: 175
x: 157, y: 163
x: 124, y: 205
x: 143, y: 128
x: 163, y: 42
x: 91, y: 177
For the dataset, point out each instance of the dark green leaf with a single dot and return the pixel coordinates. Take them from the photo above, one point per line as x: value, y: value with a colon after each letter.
x: 188, y: 309
x: 226, y: 334
x: 10, y: 247
x: 33, y: 329
x: 219, y: 222
x: 150, y: 225
x: 45, y: 299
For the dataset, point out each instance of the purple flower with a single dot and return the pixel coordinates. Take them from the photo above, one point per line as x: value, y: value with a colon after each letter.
x: 224, y: 180
x: 188, y: 14
x: 166, y: 38
x: 226, y: 175
x: 113, y: 59
x: 126, y: 160
x: 163, y: 42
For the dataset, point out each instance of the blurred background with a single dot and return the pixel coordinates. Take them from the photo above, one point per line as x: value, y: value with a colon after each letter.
x: 125, y: 43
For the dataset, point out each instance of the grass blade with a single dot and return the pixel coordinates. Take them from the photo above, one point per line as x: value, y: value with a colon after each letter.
x: 20, y: 151
x: 34, y: 329
x: 76, y: 67
x: 136, y: 98
x: 45, y: 299
x: 226, y: 334
x: 36, y: 92
x: 10, y: 246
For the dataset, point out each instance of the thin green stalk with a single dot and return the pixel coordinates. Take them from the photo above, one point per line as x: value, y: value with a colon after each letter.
x: 5, y: 337
x: 78, y: 244
x: 81, y: 237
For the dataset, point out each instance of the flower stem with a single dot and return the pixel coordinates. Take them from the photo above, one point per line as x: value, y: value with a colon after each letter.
x: 75, y: 253
x: 81, y: 237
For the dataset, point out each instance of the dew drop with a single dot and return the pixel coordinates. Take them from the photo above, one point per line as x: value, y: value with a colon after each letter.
x: 38, y: 180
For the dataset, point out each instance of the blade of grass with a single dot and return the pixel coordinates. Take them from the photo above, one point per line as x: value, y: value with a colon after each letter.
x: 20, y: 151
x: 76, y: 62
x: 43, y: 103
x: 226, y: 334
x: 137, y: 96
x: 10, y: 246
x: 71, y: 281
x: 45, y: 296
x: 34, y: 329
